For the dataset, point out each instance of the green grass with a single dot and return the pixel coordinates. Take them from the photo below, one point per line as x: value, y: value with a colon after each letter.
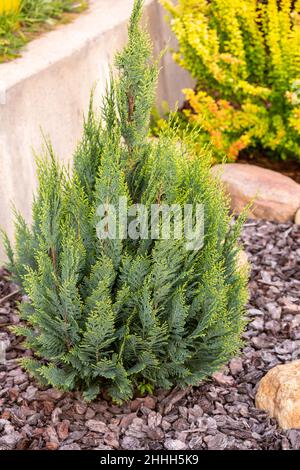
x: 16, y: 29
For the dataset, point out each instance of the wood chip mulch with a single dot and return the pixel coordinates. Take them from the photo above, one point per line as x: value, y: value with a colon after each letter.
x: 219, y: 414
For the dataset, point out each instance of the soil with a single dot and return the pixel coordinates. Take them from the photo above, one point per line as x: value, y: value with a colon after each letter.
x: 218, y: 415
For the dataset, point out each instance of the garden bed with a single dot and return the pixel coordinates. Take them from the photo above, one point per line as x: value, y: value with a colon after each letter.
x: 220, y: 414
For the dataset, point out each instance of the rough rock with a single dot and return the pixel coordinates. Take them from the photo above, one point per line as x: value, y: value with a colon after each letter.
x: 147, y: 402
x: 175, y: 444
x: 70, y: 447
x: 9, y: 441
x: 223, y: 379
x: 127, y: 420
x: 130, y: 443
x: 96, y: 426
x: 30, y: 393
x: 111, y: 439
x: 236, y: 365
x: 80, y: 408
x: 217, y: 442
x: 63, y: 429
x: 279, y: 394
x: 275, y: 196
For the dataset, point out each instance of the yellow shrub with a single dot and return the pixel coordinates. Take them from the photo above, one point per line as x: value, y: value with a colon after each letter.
x: 245, y: 56
x: 8, y: 6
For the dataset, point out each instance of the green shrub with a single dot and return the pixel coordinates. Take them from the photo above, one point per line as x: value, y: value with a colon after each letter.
x: 124, y: 314
x: 245, y: 57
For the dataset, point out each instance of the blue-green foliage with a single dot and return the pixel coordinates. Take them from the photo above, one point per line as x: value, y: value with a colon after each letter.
x: 120, y: 314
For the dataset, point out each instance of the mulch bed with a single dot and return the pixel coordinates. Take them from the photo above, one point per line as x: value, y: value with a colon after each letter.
x: 220, y: 414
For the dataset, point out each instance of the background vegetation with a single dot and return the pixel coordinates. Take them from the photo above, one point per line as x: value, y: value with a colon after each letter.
x: 21, y: 20
x: 245, y: 56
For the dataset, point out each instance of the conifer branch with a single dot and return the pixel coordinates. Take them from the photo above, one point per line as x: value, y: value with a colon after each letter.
x: 118, y: 313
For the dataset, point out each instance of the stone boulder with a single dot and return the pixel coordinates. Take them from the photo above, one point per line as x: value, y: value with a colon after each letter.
x: 275, y: 196
x: 279, y: 394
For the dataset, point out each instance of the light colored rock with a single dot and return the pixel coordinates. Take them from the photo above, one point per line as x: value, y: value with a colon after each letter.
x: 175, y: 444
x: 30, y: 393
x: 217, y: 442
x: 20, y: 379
x: 236, y: 365
x: 297, y: 217
x: 279, y: 394
x: 96, y: 426
x: 130, y: 443
x: 206, y: 424
x: 223, y: 379
x: 48, y: 88
x: 274, y: 196
x: 9, y: 441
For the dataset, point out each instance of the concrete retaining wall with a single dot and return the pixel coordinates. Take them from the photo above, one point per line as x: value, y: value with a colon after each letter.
x: 48, y: 88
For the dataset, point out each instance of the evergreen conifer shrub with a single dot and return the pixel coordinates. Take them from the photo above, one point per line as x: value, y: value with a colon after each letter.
x: 120, y: 314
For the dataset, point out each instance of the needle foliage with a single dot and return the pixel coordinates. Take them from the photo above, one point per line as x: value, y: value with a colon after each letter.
x: 120, y: 314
